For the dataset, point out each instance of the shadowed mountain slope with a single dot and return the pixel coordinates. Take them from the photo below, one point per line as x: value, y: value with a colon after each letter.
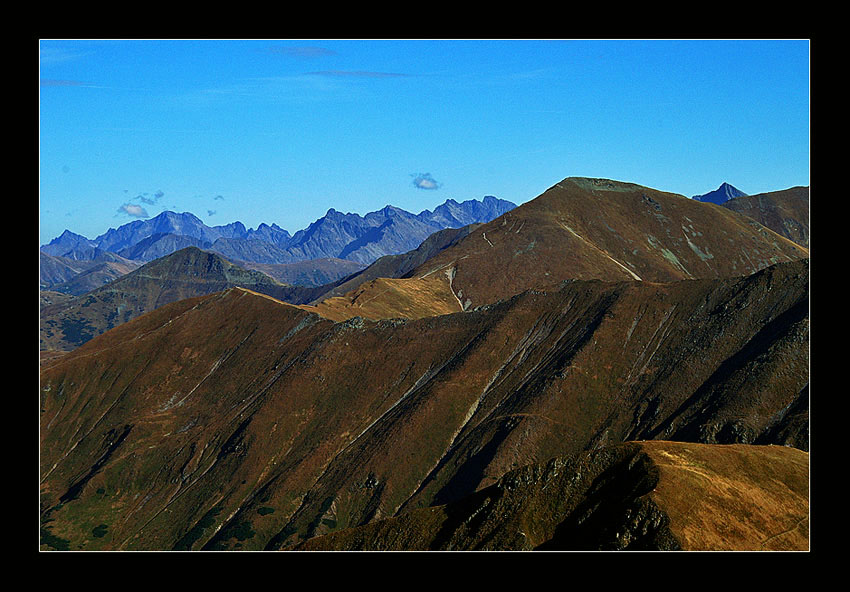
x: 237, y: 421
x: 186, y: 273
x: 316, y: 272
x: 785, y: 212
x: 635, y: 496
x: 72, y: 276
x: 600, y: 229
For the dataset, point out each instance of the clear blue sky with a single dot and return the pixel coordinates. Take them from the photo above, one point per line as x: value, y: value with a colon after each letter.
x: 282, y: 130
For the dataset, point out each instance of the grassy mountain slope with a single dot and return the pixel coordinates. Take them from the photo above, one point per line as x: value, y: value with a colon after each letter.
x: 237, y: 421
x: 785, y: 212
x: 600, y: 229
x: 650, y: 495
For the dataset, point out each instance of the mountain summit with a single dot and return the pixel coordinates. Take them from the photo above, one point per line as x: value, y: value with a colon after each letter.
x: 720, y: 195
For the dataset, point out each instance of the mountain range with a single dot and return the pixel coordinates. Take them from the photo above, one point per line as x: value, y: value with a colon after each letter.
x: 336, y: 235
x: 570, y: 375
x: 578, y: 229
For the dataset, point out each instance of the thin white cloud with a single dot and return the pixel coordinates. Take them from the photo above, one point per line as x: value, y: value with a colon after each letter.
x: 303, y: 52
x: 57, y: 55
x: 357, y: 74
x: 48, y: 82
x: 134, y: 210
x: 150, y: 200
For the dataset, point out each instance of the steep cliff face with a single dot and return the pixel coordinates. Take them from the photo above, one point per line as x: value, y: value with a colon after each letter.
x: 638, y: 496
x: 237, y: 421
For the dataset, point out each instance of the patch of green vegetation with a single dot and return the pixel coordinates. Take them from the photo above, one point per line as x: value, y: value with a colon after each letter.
x: 54, y: 542
x: 99, y: 531
x: 187, y: 540
x: 242, y: 531
x: 265, y: 510
x: 278, y: 540
x: 326, y: 505
x: 76, y: 330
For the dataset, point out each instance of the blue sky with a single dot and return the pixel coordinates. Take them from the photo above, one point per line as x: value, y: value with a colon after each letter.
x: 279, y: 131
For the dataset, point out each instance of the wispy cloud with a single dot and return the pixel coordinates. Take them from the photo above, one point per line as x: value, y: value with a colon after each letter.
x: 150, y: 199
x: 61, y: 83
x: 425, y: 181
x: 357, y: 74
x: 57, y: 55
x: 79, y: 83
x: 304, y: 52
x: 67, y: 83
x: 134, y: 210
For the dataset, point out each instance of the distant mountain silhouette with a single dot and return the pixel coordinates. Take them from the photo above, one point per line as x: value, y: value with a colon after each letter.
x: 183, y: 274
x: 720, y: 195
x: 352, y: 237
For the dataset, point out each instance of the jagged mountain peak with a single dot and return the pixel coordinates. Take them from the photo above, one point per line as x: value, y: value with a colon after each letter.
x: 334, y: 235
x: 68, y: 235
x: 720, y: 195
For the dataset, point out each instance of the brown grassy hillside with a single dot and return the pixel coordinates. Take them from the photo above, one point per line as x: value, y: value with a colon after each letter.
x: 785, y: 212
x: 235, y: 421
x: 643, y: 496
x: 600, y: 229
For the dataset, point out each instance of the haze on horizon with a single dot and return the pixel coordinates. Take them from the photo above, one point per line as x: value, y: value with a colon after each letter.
x: 280, y: 131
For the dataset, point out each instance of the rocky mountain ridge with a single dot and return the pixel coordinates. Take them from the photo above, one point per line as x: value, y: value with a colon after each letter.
x: 361, y: 239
